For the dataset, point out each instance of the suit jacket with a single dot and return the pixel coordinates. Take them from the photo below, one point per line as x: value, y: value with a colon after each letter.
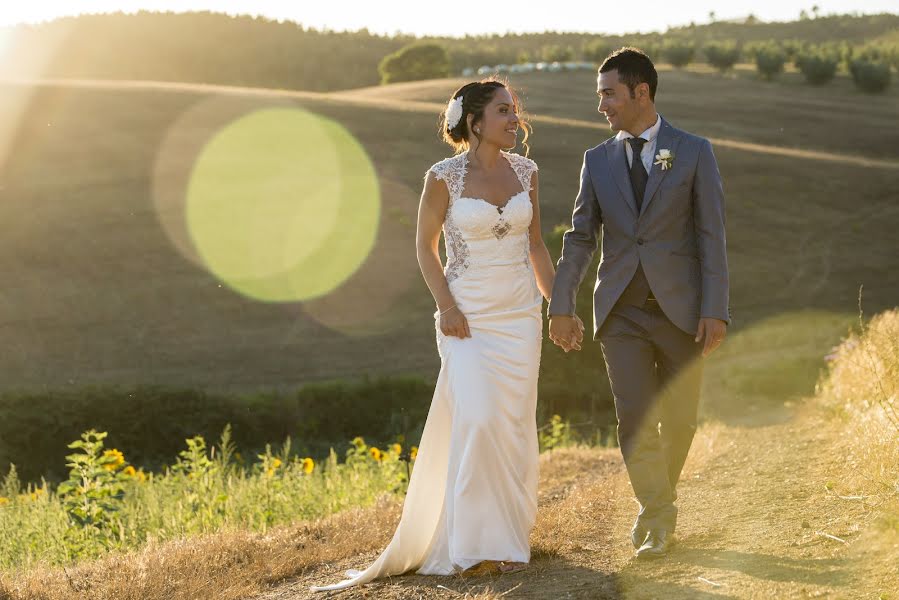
x: 678, y: 236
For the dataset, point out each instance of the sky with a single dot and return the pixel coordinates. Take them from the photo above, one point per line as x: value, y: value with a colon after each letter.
x: 460, y: 17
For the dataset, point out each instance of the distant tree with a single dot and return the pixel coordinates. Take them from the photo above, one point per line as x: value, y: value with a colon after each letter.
x: 651, y: 49
x: 791, y: 48
x: 722, y: 55
x: 597, y: 51
x: 818, y: 65
x: 414, y: 62
x: 678, y: 53
x: 870, y: 71
x: 815, y: 10
x: 769, y: 59
x: 556, y: 53
x: 751, y: 19
x: 711, y: 16
x: 803, y: 15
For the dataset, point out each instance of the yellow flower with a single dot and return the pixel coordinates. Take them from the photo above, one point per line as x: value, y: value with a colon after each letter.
x: 358, y: 442
x: 308, y: 466
x: 276, y: 462
x: 130, y: 471
x: 397, y: 449
x: 413, y: 452
x: 118, y: 462
x: 3, y: 500
x: 375, y: 453
x: 37, y: 493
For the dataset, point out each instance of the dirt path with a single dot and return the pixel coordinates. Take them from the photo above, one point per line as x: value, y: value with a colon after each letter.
x: 756, y: 513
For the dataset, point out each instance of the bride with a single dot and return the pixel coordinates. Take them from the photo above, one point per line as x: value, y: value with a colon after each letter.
x: 472, y: 497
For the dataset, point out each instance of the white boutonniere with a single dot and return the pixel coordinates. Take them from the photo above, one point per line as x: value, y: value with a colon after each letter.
x: 664, y: 158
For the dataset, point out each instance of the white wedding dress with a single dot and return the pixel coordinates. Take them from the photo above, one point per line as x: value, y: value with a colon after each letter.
x: 473, y: 491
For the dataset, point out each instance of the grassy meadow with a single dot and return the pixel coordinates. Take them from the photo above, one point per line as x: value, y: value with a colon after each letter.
x: 103, y: 294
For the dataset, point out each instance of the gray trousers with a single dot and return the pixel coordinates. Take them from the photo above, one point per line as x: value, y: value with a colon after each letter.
x: 655, y: 370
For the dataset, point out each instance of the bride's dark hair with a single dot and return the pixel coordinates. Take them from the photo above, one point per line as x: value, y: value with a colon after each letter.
x: 475, y: 97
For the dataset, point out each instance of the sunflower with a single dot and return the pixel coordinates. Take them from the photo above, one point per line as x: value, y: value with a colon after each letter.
x: 413, y: 452
x: 118, y: 462
x: 397, y: 449
x: 308, y: 466
x: 375, y: 453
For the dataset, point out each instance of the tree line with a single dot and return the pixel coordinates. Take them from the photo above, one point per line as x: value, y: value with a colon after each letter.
x: 256, y: 51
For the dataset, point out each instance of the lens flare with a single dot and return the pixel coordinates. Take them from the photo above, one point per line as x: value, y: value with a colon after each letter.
x: 283, y: 205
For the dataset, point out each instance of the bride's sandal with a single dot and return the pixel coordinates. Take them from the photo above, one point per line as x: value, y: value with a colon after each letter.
x: 512, y: 567
x: 485, y: 567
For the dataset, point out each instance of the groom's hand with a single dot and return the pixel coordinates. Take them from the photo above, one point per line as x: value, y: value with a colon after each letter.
x: 566, y: 331
x: 713, y: 330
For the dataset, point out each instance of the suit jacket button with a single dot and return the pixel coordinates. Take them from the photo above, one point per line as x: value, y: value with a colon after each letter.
x: 639, y: 241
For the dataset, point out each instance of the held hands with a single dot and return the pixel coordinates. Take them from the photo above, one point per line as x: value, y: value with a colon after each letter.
x: 454, y: 323
x: 714, y: 331
x: 566, y: 331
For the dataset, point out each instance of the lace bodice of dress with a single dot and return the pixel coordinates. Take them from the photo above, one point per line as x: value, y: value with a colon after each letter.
x: 477, y: 233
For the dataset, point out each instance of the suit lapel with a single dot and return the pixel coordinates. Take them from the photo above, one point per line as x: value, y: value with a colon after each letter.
x: 618, y: 164
x: 666, y: 139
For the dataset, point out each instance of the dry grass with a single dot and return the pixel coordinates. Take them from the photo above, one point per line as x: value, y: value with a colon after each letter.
x: 862, y: 387
x: 237, y: 564
x: 227, y: 566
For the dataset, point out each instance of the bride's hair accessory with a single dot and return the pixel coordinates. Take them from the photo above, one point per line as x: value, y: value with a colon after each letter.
x: 453, y: 112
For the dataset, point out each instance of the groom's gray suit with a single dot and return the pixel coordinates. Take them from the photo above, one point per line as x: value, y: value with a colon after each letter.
x: 662, y: 268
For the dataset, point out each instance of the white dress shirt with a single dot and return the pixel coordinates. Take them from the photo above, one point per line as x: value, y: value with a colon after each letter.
x: 647, y: 155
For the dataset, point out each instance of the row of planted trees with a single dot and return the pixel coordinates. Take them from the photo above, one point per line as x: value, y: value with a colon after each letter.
x: 870, y: 66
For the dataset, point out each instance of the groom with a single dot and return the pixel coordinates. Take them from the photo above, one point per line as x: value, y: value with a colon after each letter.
x: 661, y: 294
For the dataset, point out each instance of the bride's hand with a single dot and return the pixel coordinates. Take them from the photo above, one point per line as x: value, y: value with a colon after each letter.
x: 580, y: 324
x: 454, y: 323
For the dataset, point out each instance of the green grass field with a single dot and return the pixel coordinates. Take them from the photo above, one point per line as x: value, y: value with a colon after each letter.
x: 102, y: 287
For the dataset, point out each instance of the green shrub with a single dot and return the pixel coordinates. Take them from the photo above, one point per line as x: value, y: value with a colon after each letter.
x: 722, y: 55
x: 870, y: 72
x: 678, y: 53
x: 415, y: 62
x: 769, y: 59
x: 818, y: 66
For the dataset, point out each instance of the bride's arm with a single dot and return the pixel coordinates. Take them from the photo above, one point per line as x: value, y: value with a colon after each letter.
x: 540, y: 257
x: 542, y: 262
x: 431, y: 214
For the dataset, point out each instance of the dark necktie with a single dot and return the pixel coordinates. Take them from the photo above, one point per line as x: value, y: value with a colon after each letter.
x: 638, y: 171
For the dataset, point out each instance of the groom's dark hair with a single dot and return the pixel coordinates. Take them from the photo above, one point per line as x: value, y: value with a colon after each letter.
x: 634, y: 68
